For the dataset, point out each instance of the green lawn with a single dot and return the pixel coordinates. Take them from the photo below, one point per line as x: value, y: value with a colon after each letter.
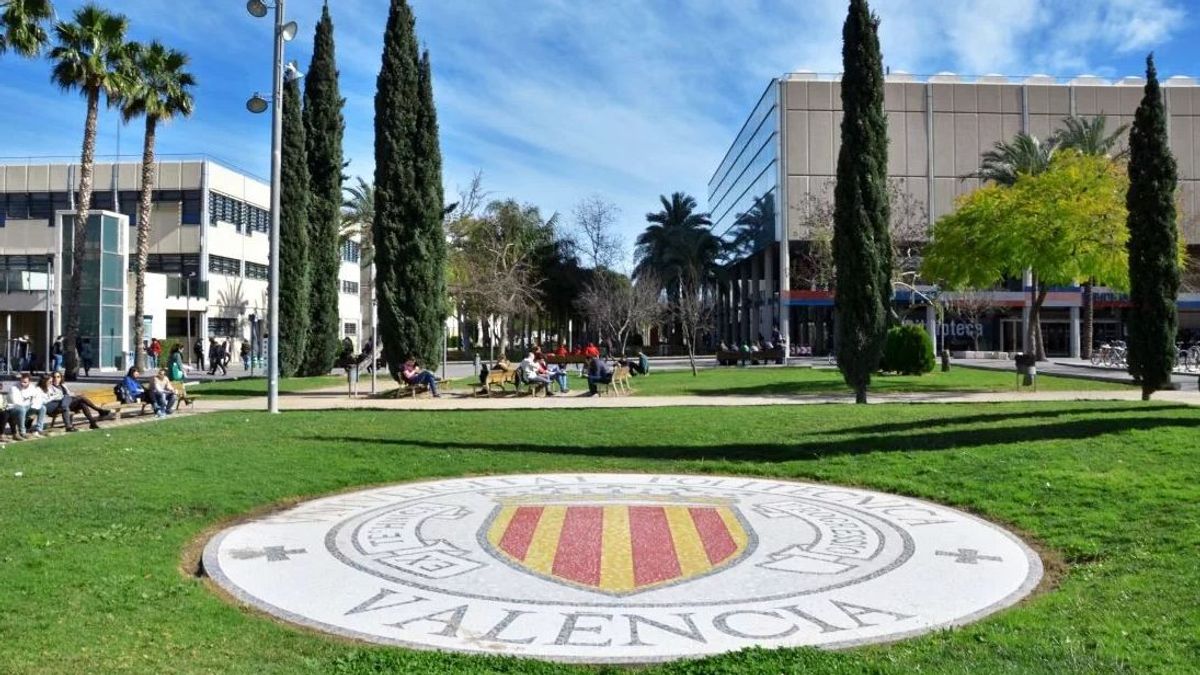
x: 767, y: 381
x: 250, y: 387
x: 92, y: 536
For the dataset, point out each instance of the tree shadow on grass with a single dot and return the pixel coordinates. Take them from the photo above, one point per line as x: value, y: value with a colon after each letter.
x: 858, y: 443
x: 956, y: 421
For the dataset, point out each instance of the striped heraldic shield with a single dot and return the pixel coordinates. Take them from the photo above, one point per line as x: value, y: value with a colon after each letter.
x: 618, y: 547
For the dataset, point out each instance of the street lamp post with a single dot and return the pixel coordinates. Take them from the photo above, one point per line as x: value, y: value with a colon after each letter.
x: 257, y: 104
x: 187, y: 299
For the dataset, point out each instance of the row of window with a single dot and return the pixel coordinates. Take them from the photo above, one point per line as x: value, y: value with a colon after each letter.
x: 23, y: 263
x: 256, y: 271
x: 245, y: 217
x: 349, y: 287
x: 351, y: 251
x: 222, y: 265
x: 37, y: 205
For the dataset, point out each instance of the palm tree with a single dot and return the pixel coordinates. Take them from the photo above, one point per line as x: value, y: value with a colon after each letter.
x: 1007, y: 160
x: 1089, y: 136
x: 21, y: 25
x: 88, y: 57
x: 358, y: 212
x: 674, y: 236
x: 159, y: 89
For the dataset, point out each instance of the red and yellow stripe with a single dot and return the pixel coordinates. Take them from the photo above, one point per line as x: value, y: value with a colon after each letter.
x: 618, y: 548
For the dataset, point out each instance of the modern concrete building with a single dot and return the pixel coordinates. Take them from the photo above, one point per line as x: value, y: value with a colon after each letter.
x: 779, y: 173
x: 208, y: 266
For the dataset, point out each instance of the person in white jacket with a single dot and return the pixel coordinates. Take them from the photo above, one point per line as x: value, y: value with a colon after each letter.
x: 24, y: 398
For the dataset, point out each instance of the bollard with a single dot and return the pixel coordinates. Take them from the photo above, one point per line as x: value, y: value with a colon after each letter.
x: 945, y: 360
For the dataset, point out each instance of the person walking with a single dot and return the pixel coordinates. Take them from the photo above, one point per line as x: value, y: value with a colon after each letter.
x: 87, y: 356
x: 56, y: 354
x: 244, y: 352
x: 154, y: 352
x: 215, y: 358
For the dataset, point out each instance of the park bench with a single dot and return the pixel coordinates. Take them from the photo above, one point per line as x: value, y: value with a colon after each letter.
x: 406, y: 389
x: 734, y: 357
x: 497, y: 380
x: 619, y: 384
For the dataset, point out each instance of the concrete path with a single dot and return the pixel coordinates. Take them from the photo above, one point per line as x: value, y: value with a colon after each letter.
x: 337, y: 399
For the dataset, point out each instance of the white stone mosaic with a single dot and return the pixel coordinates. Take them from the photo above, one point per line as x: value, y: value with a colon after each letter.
x: 621, y: 568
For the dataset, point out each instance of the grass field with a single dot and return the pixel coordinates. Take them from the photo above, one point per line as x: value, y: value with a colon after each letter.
x: 767, y: 381
x: 92, y: 535
x: 249, y: 387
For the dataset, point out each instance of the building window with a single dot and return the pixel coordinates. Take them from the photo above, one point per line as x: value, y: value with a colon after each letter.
x: 245, y: 217
x: 349, y: 329
x: 222, y: 327
x: 256, y: 271
x: 349, y: 287
x: 222, y: 265
x: 172, y: 263
x: 351, y: 251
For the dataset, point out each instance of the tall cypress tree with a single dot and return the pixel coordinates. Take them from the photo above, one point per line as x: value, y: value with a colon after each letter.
x: 323, y: 130
x: 293, y: 236
x: 1153, y: 242
x: 409, y: 244
x: 861, y: 242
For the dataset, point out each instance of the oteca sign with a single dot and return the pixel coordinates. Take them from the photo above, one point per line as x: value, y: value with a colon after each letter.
x: 954, y: 328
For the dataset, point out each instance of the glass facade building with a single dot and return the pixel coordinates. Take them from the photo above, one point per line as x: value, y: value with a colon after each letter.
x: 742, y: 193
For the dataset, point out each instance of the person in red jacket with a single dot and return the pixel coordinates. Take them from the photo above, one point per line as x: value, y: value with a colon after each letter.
x: 591, y: 351
x: 561, y: 351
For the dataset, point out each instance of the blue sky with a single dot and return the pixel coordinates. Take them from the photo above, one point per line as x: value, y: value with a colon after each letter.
x: 555, y: 100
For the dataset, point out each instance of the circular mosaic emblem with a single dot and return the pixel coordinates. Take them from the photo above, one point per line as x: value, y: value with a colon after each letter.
x: 621, y: 568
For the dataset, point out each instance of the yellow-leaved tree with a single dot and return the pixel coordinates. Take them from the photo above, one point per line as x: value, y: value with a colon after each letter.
x: 1066, y: 224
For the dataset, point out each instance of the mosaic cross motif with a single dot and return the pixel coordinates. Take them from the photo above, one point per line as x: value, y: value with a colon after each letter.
x: 969, y: 556
x: 271, y: 553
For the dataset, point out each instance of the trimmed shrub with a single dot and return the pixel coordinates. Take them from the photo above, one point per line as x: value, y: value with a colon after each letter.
x: 908, y: 351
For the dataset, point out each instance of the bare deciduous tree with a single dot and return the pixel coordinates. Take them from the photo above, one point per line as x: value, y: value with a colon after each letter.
x: 595, y: 218
x: 972, y: 307
x: 693, y: 311
x: 619, y: 307
x: 812, y: 264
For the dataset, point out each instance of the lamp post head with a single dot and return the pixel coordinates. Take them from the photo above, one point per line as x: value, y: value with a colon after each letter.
x: 257, y: 8
x: 257, y: 103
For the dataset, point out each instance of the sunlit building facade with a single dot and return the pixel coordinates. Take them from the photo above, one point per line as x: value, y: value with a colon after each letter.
x: 777, y: 180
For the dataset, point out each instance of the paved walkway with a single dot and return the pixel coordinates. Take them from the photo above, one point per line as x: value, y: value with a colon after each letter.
x: 337, y: 399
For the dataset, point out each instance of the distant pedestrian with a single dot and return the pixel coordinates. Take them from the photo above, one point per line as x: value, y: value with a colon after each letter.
x: 198, y: 351
x: 245, y: 354
x: 87, y: 356
x: 215, y: 358
x: 56, y: 354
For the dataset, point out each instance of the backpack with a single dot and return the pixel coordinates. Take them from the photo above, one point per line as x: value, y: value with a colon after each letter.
x: 122, y: 394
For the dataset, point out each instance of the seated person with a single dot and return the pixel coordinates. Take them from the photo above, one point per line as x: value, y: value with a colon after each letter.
x: 561, y: 351
x: 598, y: 373
x: 134, y: 392
x: 641, y: 366
x: 530, y: 373
x: 57, y: 400
x: 162, y: 394
x: 591, y: 351
x: 81, y: 403
x: 416, y: 376
x: 555, y: 374
x: 24, y: 400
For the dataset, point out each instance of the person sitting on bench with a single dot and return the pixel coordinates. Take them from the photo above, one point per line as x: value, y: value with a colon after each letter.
x: 57, y: 401
x: 162, y: 394
x: 132, y: 390
x: 532, y: 375
x: 599, y: 373
x: 80, y: 403
x: 416, y: 376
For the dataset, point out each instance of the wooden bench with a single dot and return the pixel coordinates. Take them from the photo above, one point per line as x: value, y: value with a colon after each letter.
x: 733, y: 357
x: 496, y: 380
x: 406, y: 389
x: 619, y: 384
